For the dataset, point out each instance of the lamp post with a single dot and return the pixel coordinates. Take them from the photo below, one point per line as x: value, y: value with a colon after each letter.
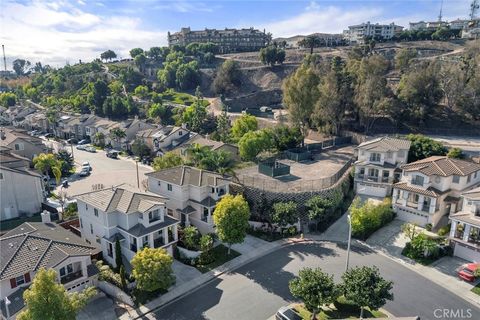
x: 349, y: 240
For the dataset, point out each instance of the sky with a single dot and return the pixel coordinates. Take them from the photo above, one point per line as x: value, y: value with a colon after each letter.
x: 63, y: 31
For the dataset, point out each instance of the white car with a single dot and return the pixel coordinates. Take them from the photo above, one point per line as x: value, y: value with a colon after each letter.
x: 81, y: 147
x: 90, y: 149
x: 86, y: 165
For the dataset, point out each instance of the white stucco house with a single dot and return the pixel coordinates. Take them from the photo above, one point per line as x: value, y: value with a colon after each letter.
x: 430, y: 189
x: 378, y: 165
x: 137, y: 219
x: 465, y: 230
x: 192, y: 193
x: 34, y: 245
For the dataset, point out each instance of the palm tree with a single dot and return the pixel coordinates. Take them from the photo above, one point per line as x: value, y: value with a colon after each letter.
x: 46, y: 162
x: 195, y: 153
x: 99, y: 138
x: 311, y: 42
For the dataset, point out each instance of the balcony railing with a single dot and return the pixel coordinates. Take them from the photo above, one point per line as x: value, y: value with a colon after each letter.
x: 156, y: 218
x: 367, y: 178
x: 71, y: 277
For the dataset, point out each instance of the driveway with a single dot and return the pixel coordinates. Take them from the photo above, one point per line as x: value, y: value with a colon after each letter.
x: 251, y: 244
x: 390, y: 238
x: 184, y: 273
x: 101, y: 307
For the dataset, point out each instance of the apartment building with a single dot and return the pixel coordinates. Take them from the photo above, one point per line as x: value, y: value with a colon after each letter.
x: 192, y: 194
x: 135, y: 218
x: 358, y: 33
x: 34, y: 245
x: 227, y: 40
x: 465, y: 230
x: 430, y: 189
x: 378, y: 165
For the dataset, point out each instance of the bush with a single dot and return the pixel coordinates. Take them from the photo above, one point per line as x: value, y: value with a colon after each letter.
x: 368, y: 218
x: 428, y: 227
x: 107, y: 274
x: 445, y: 230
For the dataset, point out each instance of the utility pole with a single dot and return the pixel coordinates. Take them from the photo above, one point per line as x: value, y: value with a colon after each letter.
x: 349, y: 218
x: 473, y: 9
x: 440, y: 15
x: 4, y: 58
x: 138, y: 179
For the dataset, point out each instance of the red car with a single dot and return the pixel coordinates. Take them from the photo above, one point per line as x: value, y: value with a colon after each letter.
x: 467, y: 271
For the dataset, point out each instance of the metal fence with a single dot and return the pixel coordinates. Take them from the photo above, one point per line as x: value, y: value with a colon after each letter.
x: 273, y: 169
x: 312, y: 185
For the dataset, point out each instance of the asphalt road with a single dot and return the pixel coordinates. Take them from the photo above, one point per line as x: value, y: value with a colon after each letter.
x: 105, y: 171
x: 258, y: 289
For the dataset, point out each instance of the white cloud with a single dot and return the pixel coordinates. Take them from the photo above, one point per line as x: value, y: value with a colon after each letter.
x: 185, y: 6
x: 320, y: 19
x: 57, y: 32
x: 313, y: 5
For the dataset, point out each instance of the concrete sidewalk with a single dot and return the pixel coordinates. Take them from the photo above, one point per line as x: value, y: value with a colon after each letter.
x: 251, y: 249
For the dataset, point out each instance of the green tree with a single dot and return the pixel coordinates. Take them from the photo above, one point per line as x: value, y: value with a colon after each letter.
x: 187, y: 75
x: 315, y: 288
x: 252, y: 143
x: 311, y: 41
x: 98, y: 92
x: 8, y: 99
x: 403, y: 58
x: 66, y: 162
x: 47, y: 299
x: 168, y: 160
x: 319, y: 209
x: 366, y: 288
x: 190, y: 237
x: 140, y: 149
x: 196, y: 114
x: 272, y: 55
x: 228, y: 77
x: 141, y: 91
x: 231, y: 218
x: 284, y: 137
x: 135, y: 52
x: 123, y: 278
x: 206, y: 245
x: 223, y: 127
x: 300, y: 94
x: 117, y: 134
x: 20, y: 66
x: 108, y: 55
x: 45, y: 163
x: 242, y: 125
x: 456, y: 153
x: 159, y: 112
x: 423, y: 147
x: 118, y: 255
x: 140, y: 61
x: 152, y: 269
x: 155, y: 53
x: 196, y: 153
x: 99, y: 139
x: 285, y: 213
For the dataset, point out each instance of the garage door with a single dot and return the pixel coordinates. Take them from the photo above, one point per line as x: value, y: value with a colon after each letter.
x: 371, y: 190
x: 412, y: 217
x: 466, y: 253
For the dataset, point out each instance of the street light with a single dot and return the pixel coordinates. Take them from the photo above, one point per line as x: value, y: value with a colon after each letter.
x: 349, y: 240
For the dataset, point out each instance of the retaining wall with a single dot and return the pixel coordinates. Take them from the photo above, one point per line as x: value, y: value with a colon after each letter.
x: 115, y: 292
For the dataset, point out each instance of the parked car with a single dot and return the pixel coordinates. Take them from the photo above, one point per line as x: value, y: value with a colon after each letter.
x: 72, y: 141
x: 84, y: 141
x: 81, y: 147
x: 65, y: 183
x: 113, y: 154
x: 467, y: 271
x: 90, y: 149
x: 84, y: 172
x: 86, y: 165
x: 287, y: 313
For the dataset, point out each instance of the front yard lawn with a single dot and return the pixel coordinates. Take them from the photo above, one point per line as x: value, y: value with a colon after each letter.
x: 220, y: 257
x: 422, y: 260
x: 476, y: 289
x: 341, y: 309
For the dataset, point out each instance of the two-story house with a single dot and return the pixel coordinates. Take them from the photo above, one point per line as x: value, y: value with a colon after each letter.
x: 430, y: 189
x: 34, y: 245
x: 137, y: 219
x: 21, y: 143
x: 165, y: 138
x: 210, y: 144
x: 21, y: 188
x: 378, y: 165
x: 465, y: 229
x: 192, y: 193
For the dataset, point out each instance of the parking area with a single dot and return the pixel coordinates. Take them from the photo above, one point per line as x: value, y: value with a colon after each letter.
x: 105, y: 172
x: 101, y: 307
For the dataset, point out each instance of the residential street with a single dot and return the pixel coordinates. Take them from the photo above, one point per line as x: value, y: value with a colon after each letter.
x: 258, y: 289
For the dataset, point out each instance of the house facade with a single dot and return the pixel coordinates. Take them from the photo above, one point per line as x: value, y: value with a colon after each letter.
x: 192, y: 194
x: 35, y: 245
x: 137, y: 219
x: 20, y: 143
x: 430, y: 189
x: 164, y: 139
x: 378, y: 165
x: 21, y: 188
x: 465, y: 229
x: 358, y: 33
x: 210, y: 144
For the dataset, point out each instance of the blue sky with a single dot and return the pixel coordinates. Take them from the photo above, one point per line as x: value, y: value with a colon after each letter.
x: 61, y: 31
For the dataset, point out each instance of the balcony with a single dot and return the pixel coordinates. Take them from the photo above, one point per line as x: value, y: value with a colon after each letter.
x: 157, y: 243
x: 71, y: 277
x: 153, y: 219
x: 133, y: 247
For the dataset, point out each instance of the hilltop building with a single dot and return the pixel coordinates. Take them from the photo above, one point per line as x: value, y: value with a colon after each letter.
x: 228, y: 40
x: 358, y: 33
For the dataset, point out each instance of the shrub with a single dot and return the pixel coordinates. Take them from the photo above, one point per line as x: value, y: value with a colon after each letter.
x: 107, y: 274
x: 428, y: 227
x: 445, y: 230
x: 190, y: 237
x: 368, y: 218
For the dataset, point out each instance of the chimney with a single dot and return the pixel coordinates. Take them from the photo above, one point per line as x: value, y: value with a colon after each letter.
x: 46, y: 217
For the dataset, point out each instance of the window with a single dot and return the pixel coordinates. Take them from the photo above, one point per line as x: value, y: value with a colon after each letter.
x: 86, y: 206
x: 20, y: 280
x: 81, y: 223
x: 1, y: 176
x: 97, y: 239
x: 375, y: 157
x: 180, y: 133
x: 456, y: 179
x: 159, y: 183
x: 18, y: 146
x: 373, y: 173
x: 389, y: 155
x: 66, y: 270
x: 475, y: 175
x: 469, y: 178
x: 418, y: 180
x: 169, y: 187
x: 95, y: 212
x: 401, y: 153
x: 213, y: 190
x: 362, y: 171
x: 91, y: 228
